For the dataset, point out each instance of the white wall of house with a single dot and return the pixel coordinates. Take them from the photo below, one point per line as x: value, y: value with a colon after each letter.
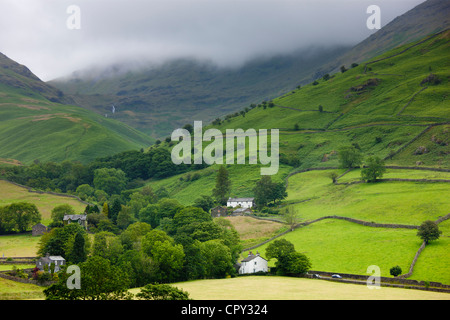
x: 257, y: 264
x: 235, y: 203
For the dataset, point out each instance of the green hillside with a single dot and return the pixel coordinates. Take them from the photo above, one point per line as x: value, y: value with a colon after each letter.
x: 384, y: 108
x: 394, y: 107
x: 35, y: 125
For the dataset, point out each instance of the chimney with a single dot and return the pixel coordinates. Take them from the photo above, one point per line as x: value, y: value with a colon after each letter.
x: 250, y: 253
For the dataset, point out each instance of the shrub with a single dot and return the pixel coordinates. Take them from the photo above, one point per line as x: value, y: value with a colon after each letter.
x: 162, y: 292
x: 395, y: 271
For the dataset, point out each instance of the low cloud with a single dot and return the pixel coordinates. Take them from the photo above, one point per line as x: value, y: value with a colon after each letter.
x: 226, y: 32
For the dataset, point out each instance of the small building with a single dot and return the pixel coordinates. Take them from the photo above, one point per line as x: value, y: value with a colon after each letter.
x: 38, y: 229
x: 242, y: 202
x: 48, y: 260
x: 253, y: 263
x: 219, y: 211
x: 242, y: 211
x: 78, y: 218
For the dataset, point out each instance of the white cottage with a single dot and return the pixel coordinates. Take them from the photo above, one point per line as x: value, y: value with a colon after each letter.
x: 243, y: 202
x: 58, y: 261
x: 253, y: 263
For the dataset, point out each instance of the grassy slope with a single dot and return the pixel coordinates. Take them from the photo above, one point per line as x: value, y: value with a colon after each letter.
x: 10, y: 193
x: 359, y: 118
x: 12, y: 290
x: 377, y: 111
x: 32, y: 127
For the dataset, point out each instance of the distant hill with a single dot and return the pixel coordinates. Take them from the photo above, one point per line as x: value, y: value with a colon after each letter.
x: 36, y: 124
x: 427, y: 18
x: 160, y: 99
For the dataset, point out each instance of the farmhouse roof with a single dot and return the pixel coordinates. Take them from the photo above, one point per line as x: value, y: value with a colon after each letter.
x: 48, y: 259
x: 241, y: 199
x: 74, y: 217
x: 39, y: 225
x: 252, y: 256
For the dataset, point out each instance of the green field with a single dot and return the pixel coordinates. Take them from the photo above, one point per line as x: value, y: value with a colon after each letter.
x: 342, y: 246
x: 12, y: 290
x: 22, y: 245
x: 45, y: 202
x: 285, y: 288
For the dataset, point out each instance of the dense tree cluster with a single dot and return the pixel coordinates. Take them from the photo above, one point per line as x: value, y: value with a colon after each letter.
x: 100, y: 178
x: 166, y: 242
x: 18, y: 217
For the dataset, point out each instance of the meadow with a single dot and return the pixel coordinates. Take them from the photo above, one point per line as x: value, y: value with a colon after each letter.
x: 20, y: 245
x: 10, y: 193
x: 286, y: 288
x: 342, y: 246
x: 12, y: 290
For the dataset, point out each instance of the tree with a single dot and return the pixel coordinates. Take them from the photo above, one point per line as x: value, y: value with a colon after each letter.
x: 373, y: 169
x: 205, y: 202
x: 333, y: 176
x: 267, y: 191
x: 263, y: 191
x: 125, y: 217
x: 84, y: 191
x: 288, y: 261
x: 19, y: 216
x: 279, y: 248
x: 169, y: 258
x: 99, y: 281
x: 60, y: 241
x: 217, y: 259
x: 349, y: 157
x: 150, y: 214
x: 105, y: 209
x: 395, y: 271
x: 190, y: 215
x: 132, y: 236
x: 222, y: 189
x: 189, y: 128
x: 112, y: 181
x: 279, y: 191
x: 150, y: 238
x: 114, y: 210
x: 429, y: 231
x: 58, y: 213
x: 290, y: 217
x: 162, y: 292
x: 78, y: 252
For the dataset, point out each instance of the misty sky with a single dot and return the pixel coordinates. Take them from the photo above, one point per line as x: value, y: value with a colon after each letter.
x: 227, y: 32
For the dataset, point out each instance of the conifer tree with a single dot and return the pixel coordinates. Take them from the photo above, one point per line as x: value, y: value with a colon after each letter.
x: 223, y: 186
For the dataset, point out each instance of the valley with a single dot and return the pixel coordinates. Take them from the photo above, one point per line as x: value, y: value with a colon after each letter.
x: 59, y: 144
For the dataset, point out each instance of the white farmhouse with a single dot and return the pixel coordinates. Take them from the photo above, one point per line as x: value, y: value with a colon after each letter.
x: 58, y: 261
x: 243, y: 202
x: 253, y: 263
